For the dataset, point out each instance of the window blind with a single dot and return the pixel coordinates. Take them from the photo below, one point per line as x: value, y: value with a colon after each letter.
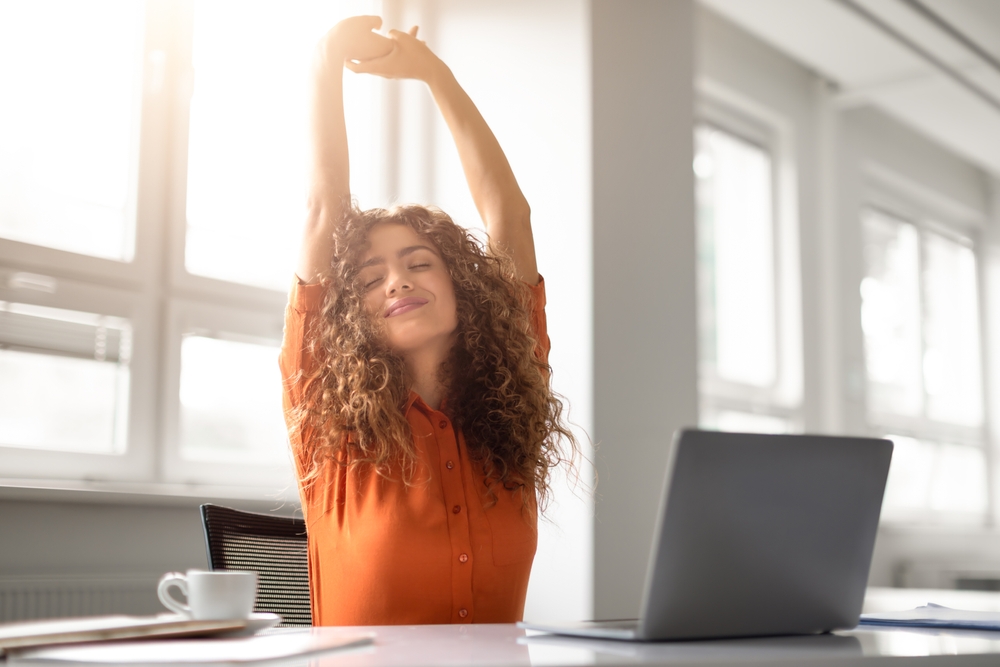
x: 45, y: 330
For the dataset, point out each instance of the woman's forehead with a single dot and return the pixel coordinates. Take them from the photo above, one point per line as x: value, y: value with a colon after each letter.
x: 388, y: 238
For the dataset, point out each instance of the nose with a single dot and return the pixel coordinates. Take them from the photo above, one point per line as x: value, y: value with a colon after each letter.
x: 398, y: 282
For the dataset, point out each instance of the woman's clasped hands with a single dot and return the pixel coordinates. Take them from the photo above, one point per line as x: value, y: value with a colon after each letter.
x: 399, y: 55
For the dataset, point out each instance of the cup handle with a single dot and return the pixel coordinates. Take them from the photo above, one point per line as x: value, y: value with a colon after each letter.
x: 167, y: 581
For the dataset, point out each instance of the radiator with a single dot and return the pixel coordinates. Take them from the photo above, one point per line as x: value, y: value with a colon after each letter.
x: 28, y: 597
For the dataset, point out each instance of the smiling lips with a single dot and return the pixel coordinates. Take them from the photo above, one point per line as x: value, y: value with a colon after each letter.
x: 404, y: 305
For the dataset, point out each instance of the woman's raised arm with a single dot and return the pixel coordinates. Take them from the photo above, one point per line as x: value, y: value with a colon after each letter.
x: 499, y: 199
x: 329, y: 188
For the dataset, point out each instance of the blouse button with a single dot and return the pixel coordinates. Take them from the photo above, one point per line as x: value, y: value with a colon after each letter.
x: 456, y: 509
x: 464, y: 558
x: 463, y: 612
x: 443, y: 423
x: 449, y: 465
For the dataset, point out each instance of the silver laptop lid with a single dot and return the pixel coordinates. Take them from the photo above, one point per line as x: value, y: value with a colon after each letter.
x: 763, y: 534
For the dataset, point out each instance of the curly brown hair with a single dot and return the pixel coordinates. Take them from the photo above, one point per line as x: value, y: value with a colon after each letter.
x: 497, y: 385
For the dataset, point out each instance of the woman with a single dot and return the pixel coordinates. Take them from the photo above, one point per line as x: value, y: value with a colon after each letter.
x: 416, y: 383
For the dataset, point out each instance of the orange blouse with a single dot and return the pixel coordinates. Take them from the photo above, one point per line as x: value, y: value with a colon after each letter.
x: 383, y: 553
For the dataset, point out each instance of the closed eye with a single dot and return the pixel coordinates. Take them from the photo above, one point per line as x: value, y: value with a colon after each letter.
x: 372, y: 282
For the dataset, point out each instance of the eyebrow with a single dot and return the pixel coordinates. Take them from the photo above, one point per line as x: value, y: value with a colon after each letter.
x: 408, y: 250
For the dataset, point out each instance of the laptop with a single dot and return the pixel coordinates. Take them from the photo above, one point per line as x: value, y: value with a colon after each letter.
x: 756, y: 535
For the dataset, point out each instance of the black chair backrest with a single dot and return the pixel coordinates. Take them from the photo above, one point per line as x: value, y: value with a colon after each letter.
x: 272, y: 546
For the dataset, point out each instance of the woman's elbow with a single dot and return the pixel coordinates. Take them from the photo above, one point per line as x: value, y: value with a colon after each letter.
x: 322, y: 215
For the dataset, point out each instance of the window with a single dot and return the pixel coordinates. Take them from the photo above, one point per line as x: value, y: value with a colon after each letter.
x: 920, y: 320
x: 227, y: 395
x: 71, y: 73
x: 124, y: 358
x: 747, y: 364
x: 64, y: 379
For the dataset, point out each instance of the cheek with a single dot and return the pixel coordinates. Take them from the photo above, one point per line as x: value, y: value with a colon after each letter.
x: 448, y: 302
x: 374, y: 308
x: 373, y: 303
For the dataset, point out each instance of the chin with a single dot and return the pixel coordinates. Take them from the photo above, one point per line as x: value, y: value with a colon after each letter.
x: 417, y: 338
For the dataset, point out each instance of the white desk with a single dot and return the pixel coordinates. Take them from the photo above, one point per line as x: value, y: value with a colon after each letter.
x: 495, y: 645
x: 498, y: 645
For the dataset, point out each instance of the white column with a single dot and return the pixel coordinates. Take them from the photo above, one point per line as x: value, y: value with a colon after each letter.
x: 645, y: 332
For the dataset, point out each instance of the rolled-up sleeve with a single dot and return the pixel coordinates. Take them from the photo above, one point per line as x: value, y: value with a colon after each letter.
x: 297, y: 362
x: 538, y: 322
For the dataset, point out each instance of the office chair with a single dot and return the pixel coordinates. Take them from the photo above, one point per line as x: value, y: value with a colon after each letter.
x: 272, y: 546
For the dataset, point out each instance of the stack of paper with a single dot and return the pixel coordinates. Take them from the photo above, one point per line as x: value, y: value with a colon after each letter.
x: 248, y: 651
x: 936, y: 616
x: 103, y: 628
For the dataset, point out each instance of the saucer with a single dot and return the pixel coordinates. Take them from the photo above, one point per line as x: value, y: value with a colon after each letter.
x: 255, y: 623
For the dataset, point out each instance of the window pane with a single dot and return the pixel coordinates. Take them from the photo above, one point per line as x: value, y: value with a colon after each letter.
x: 735, y: 421
x: 736, y: 259
x: 890, y: 315
x: 247, y: 145
x: 231, y: 402
x: 64, y: 379
x: 908, y: 487
x: 934, y: 476
x: 959, y: 480
x: 70, y: 73
x: 951, y: 332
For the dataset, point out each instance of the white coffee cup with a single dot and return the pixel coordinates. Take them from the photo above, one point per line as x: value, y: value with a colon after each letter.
x: 212, y: 596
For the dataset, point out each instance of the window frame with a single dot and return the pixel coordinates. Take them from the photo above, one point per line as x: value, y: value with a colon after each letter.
x: 185, y: 315
x: 137, y: 462
x: 784, y: 399
x: 882, y: 196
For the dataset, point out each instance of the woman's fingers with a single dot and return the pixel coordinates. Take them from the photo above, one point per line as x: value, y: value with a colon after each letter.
x: 397, y: 34
x: 359, y: 67
x: 409, y: 58
x: 382, y: 65
x: 371, y: 45
x: 387, y: 66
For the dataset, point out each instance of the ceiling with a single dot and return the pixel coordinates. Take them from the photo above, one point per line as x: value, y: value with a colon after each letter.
x: 933, y: 64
